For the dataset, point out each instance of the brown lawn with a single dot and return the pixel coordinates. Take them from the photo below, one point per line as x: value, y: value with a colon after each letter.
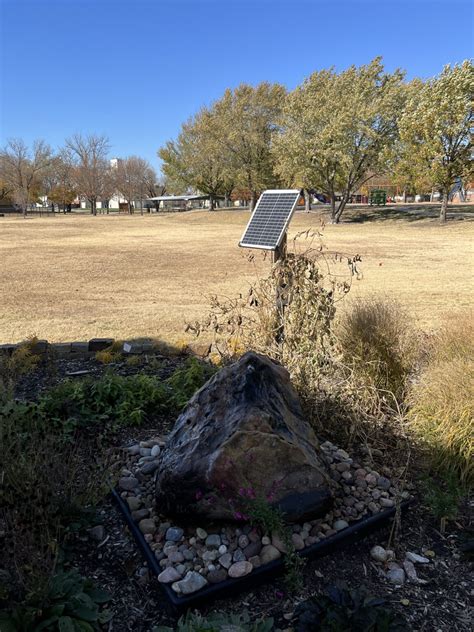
x: 75, y: 277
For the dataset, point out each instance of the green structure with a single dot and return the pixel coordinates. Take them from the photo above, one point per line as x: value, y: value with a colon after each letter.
x: 378, y: 197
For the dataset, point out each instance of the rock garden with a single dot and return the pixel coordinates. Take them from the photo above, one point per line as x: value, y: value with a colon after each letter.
x: 147, y: 488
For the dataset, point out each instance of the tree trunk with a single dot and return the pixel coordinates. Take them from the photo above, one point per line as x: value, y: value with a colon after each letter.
x: 226, y: 200
x: 404, y: 196
x: 333, y: 208
x: 211, y: 202
x: 340, y: 209
x: 129, y: 207
x: 307, y: 201
x: 432, y: 195
x: 444, y: 207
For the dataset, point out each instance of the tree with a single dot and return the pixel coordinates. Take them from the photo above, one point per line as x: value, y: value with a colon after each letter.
x: 23, y: 169
x: 132, y: 179
x: 197, y: 160
x: 436, y: 127
x: 246, y: 121
x: 338, y: 129
x: 92, y: 169
x: 59, y: 180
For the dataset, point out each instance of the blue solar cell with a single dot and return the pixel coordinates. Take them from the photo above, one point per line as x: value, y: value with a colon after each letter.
x: 270, y: 219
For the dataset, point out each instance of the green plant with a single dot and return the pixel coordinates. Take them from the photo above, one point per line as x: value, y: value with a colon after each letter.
x: 269, y: 519
x: 111, y: 401
x: 442, y: 401
x: 442, y: 495
x: 70, y: 603
x: 218, y: 622
x: 106, y: 357
x: 344, y: 610
x: 378, y: 345
x: 186, y: 380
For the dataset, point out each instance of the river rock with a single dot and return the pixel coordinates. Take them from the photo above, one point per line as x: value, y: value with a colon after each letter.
x: 192, y: 582
x: 169, y: 575
x: 240, y: 569
x: 269, y: 553
x: 243, y: 429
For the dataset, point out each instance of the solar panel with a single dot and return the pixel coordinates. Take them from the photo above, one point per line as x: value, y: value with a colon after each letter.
x: 270, y: 219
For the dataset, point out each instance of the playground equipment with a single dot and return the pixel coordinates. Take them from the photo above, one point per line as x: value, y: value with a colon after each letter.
x: 378, y: 197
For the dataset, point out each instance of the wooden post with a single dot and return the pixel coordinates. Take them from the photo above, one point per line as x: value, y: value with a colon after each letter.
x: 279, y: 254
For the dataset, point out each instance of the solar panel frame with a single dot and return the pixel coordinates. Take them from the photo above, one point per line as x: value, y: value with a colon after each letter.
x: 265, y: 235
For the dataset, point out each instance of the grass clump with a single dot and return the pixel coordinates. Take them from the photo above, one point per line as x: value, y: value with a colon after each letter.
x: 218, y: 622
x: 442, y: 401
x: 378, y: 345
x: 21, y: 362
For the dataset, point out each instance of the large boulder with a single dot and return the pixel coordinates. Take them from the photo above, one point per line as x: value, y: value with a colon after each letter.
x: 243, y: 434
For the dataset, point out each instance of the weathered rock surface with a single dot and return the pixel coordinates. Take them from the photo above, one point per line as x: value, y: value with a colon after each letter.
x: 244, y: 429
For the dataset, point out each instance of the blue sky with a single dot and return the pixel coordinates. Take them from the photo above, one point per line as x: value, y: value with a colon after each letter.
x: 136, y: 69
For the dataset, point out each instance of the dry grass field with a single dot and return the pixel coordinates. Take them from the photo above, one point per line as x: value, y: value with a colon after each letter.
x: 75, y: 277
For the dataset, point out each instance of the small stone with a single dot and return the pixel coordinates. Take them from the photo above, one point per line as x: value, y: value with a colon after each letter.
x: 342, y: 455
x: 97, y: 533
x: 169, y: 575
x: 139, y: 514
x: 278, y: 543
x: 192, y: 582
x: 429, y: 553
x: 266, y: 540
x: 149, y: 468
x: 213, y: 541
x: 225, y: 560
x: 155, y: 451
x: 371, y: 479
x: 174, y: 534
x: 201, y: 533
x: 222, y: 549
x: 410, y: 571
x: 396, y: 576
x: 384, y: 483
x: 134, y: 450
x: 145, y: 452
x: 269, y: 553
x: 240, y: 569
x: 387, y: 502
x: 209, y: 556
x: 417, y: 559
x: 339, y: 525
x: 147, y: 525
x: 243, y: 541
x: 128, y: 483
x: 239, y: 556
x: 176, y: 557
x: 343, y: 467
x: 255, y: 561
x: 252, y: 549
x: 133, y: 503
x: 360, y: 473
x: 298, y: 541
x: 378, y: 553
x: 216, y: 576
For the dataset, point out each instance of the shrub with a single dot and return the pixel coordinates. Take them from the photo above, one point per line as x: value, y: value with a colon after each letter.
x: 343, y: 609
x: 111, y: 401
x: 186, y: 380
x: 378, y: 345
x: 70, y: 602
x: 45, y: 482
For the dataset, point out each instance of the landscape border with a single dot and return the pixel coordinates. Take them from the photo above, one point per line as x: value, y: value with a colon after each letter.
x: 229, y: 587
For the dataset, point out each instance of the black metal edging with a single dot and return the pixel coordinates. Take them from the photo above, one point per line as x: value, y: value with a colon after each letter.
x: 229, y: 587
